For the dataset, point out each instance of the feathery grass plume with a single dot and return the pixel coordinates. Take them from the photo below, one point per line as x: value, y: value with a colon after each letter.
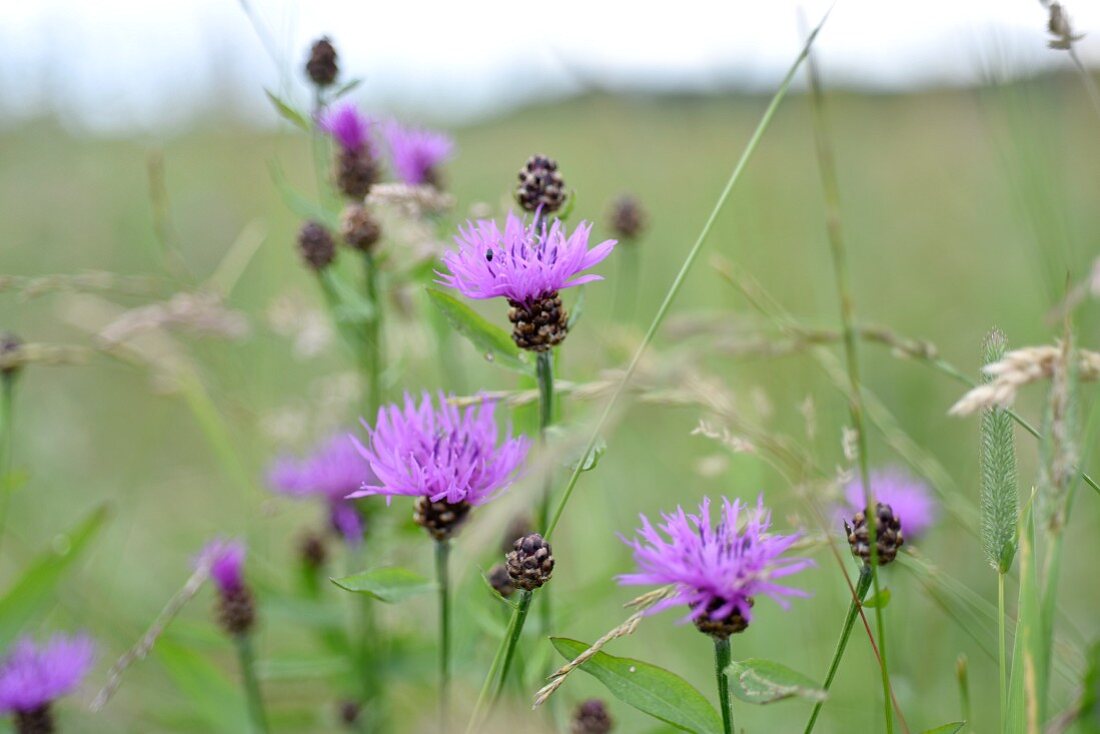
x: 997, y: 455
x: 1059, y: 450
x: 1022, y: 367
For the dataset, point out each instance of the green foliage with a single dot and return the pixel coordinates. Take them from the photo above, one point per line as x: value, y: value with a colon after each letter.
x: 766, y: 681
x: 952, y: 728
x: 493, y: 342
x: 1088, y: 710
x: 648, y: 688
x: 36, y: 590
x: 998, y: 464
x: 881, y: 599
x: 1025, y: 704
x: 215, y: 698
x: 391, y: 584
x: 288, y: 112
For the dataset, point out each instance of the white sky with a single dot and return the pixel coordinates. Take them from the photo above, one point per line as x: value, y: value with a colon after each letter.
x: 137, y: 64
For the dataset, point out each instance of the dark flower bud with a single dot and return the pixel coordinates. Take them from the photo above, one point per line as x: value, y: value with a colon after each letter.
x: 540, y: 325
x: 721, y: 628
x: 321, y: 67
x: 531, y: 562
x: 349, y: 713
x: 887, y: 535
x: 312, y: 551
x: 628, y: 219
x: 35, y: 721
x: 10, y: 345
x: 441, y: 519
x: 316, y: 246
x: 500, y: 580
x: 237, y: 610
x: 359, y: 229
x: 356, y: 171
x: 540, y: 185
x: 591, y: 717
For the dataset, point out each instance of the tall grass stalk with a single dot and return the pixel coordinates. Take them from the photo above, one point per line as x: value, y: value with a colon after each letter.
x: 251, y: 684
x: 831, y: 191
x: 372, y: 342
x: 721, y: 674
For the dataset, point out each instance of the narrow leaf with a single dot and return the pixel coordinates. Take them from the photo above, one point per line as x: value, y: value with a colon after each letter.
x: 36, y: 590
x: 288, y: 113
x: 1088, y: 710
x: 491, y: 340
x: 299, y: 203
x: 880, y: 599
x: 954, y: 726
x: 345, y: 88
x: 648, y: 688
x: 766, y: 681
x: 213, y: 696
x: 1024, y: 685
x: 391, y: 584
x: 998, y: 463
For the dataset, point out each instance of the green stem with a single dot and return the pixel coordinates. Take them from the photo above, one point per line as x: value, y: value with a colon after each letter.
x: 373, y: 340
x: 721, y: 663
x: 862, y: 585
x: 7, y: 399
x: 442, y: 553
x: 1002, y: 666
x: 251, y: 684
x: 494, y: 680
x: 831, y: 191
x: 681, y: 276
x: 513, y: 638
x: 544, y: 371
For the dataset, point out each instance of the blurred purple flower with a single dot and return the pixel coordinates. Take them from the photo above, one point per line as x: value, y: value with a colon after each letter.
x: 523, y: 263
x: 909, y: 498
x: 717, y: 568
x: 226, y: 560
x: 32, y: 676
x: 440, y: 453
x: 332, y: 471
x: 349, y: 127
x: 415, y: 153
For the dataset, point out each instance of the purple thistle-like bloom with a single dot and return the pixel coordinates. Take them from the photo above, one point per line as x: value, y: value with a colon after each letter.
x: 331, y: 472
x: 909, y: 498
x: 416, y: 153
x: 349, y: 127
x: 441, y: 453
x: 717, y: 568
x: 226, y: 561
x: 523, y: 263
x: 32, y: 676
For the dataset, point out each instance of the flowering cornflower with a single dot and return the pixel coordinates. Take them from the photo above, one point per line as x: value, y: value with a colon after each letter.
x: 909, y: 498
x: 440, y: 453
x: 717, y: 570
x: 332, y: 471
x: 524, y: 262
x: 415, y: 154
x: 33, y: 676
x: 349, y: 127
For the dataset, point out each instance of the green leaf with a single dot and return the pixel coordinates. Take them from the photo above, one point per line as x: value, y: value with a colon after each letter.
x: 648, y: 688
x: 300, y: 204
x: 391, y: 584
x: 345, y: 88
x: 1088, y: 710
x: 570, y: 204
x: 215, y: 698
x: 951, y: 728
x: 765, y: 681
x: 881, y: 599
x: 578, y: 308
x: 288, y: 113
x: 36, y: 590
x: 492, y: 341
x: 574, y: 455
x: 1024, y: 685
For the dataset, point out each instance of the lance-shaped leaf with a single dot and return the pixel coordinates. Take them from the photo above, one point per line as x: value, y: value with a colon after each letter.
x: 766, y: 681
x: 491, y: 340
x: 391, y: 584
x: 954, y: 726
x: 648, y: 688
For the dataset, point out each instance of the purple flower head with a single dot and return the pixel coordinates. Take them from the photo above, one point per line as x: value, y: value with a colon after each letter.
x: 441, y: 453
x: 909, y: 498
x: 349, y: 127
x: 32, y: 676
x: 226, y: 560
x: 523, y: 263
x: 331, y: 472
x: 717, y: 568
x: 416, y: 153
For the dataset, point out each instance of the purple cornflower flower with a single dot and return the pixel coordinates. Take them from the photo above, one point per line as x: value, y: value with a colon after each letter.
x: 226, y: 559
x: 524, y: 263
x: 33, y: 676
x: 332, y: 471
x: 416, y: 153
x: 440, y: 453
x: 349, y: 127
x: 717, y: 570
x: 909, y: 498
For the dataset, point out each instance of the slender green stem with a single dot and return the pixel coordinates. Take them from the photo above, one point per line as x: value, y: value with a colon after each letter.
x: 373, y: 341
x: 831, y: 190
x: 251, y: 684
x: 7, y: 398
x: 681, y: 276
x: 862, y: 585
x: 442, y: 553
x: 544, y: 371
x: 513, y: 638
x: 1002, y: 665
x: 494, y: 680
x: 962, y: 673
x: 721, y: 663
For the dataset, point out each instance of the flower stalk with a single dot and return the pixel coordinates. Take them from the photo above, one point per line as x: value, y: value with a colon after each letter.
x: 442, y: 572
x: 373, y: 337
x: 247, y: 659
x: 721, y: 666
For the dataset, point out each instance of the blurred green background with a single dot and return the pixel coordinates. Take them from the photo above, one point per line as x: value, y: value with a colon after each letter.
x: 962, y: 210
